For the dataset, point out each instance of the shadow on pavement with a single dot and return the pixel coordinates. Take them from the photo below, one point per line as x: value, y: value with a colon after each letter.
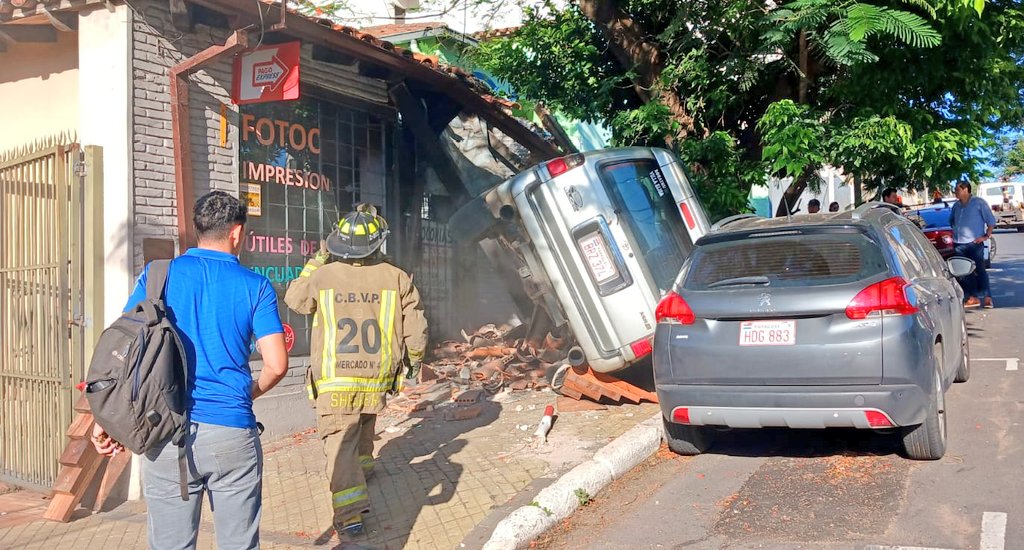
x: 416, y: 470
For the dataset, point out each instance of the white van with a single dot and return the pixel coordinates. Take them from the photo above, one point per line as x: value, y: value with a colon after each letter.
x: 595, y: 240
x: 1007, y: 202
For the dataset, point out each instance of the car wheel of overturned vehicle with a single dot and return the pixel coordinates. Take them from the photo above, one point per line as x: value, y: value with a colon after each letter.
x: 963, y: 372
x: 687, y: 440
x: 927, y: 441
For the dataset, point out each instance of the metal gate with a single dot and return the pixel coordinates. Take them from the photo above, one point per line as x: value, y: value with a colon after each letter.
x: 41, y: 293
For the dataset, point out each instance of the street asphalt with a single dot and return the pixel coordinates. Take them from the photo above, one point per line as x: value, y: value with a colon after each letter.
x: 844, y: 489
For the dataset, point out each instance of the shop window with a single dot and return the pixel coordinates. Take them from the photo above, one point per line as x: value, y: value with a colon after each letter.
x: 303, y: 164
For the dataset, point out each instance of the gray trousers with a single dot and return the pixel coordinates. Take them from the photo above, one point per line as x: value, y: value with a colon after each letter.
x: 225, y: 463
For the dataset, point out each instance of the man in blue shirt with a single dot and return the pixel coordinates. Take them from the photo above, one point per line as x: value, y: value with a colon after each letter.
x: 972, y: 221
x: 218, y: 306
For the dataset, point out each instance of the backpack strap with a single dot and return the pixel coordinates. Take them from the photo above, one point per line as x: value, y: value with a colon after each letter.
x: 156, y: 279
x: 156, y: 286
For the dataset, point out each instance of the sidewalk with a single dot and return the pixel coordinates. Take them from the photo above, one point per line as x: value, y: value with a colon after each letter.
x: 438, y: 484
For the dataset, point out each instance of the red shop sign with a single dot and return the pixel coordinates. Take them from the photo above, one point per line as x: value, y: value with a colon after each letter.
x: 269, y: 73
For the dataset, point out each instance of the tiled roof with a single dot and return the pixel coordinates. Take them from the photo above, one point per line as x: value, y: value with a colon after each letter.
x: 394, y: 29
x: 495, y: 33
x: 7, y: 7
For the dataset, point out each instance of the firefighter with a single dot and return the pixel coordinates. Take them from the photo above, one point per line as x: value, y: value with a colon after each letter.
x: 367, y: 318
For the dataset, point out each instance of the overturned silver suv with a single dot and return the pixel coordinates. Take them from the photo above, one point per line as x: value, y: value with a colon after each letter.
x: 590, y: 242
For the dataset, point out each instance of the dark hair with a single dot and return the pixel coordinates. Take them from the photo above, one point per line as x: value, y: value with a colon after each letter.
x: 833, y: 204
x: 964, y: 185
x: 814, y: 202
x: 216, y: 213
x: 889, y: 191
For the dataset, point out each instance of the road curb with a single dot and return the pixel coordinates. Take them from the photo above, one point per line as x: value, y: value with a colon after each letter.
x: 559, y: 500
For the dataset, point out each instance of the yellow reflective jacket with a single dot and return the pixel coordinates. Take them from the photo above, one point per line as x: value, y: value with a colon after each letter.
x: 366, y: 318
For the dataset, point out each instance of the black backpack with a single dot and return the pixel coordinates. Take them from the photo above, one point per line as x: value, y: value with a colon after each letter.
x: 138, y: 378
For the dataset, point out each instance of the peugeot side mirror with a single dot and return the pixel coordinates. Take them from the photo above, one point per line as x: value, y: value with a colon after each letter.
x: 960, y: 266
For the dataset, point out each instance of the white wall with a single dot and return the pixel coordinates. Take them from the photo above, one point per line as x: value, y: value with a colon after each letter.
x: 38, y: 84
x: 104, y: 106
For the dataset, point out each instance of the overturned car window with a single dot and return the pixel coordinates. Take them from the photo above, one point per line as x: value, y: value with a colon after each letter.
x: 785, y: 260
x: 654, y: 220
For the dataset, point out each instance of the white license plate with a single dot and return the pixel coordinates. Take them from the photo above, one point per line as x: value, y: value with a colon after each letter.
x: 600, y: 261
x: 768, y: 333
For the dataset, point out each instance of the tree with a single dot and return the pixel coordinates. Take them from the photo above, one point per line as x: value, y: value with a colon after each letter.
x: 1009, y: 156
x: 895, y: 92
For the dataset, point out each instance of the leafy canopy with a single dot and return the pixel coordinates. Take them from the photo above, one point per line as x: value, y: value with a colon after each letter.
x: 901, y: 93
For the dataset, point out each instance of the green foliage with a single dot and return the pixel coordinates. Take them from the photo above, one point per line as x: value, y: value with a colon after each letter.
x: 583, y: 496
x: 720, y: 177
x: 792, y: 139
x: 1009, y: 156
x: 547, y: 511
x: 897, y: 92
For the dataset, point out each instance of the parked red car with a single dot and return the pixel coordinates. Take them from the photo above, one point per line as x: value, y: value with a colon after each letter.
x: 934, y: 222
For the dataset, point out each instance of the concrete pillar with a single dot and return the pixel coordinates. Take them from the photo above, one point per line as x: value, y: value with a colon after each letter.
x: 105, y: 106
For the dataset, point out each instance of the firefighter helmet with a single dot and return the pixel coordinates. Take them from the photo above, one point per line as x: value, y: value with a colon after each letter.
x: 358, y: 234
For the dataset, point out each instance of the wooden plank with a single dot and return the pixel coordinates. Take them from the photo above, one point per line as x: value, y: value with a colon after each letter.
x: 71, y: 479
x: 438, y: 159
x: 72, y: 455
x: 115, y: 469
x: 64, y: 503
x: 81, y: 426
x: 82, y: 404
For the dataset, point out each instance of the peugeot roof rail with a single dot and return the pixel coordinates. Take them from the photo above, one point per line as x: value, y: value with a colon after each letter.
x: 863, y: 209
x: 726, y: 221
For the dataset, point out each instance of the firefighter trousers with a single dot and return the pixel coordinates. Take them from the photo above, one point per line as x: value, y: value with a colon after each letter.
x: 348, y: 448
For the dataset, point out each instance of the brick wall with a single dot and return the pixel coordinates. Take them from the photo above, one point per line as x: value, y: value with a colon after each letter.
x: 157, y: 46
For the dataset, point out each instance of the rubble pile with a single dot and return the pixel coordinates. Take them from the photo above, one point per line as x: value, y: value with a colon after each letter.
x: 495, y: 358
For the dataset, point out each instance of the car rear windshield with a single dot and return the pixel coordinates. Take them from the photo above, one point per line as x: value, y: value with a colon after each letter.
x: 639, y: 189
x: 784, y: 259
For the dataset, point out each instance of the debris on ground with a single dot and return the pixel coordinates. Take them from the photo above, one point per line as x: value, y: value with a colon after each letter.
x: 494, y: 358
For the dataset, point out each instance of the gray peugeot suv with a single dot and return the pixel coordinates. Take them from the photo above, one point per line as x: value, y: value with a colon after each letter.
x: 830, y: 320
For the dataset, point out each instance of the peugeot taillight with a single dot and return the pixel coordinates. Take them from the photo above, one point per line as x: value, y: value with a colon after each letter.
x: 674, y: 309
x: 888, y: 297
x: 562, y: 165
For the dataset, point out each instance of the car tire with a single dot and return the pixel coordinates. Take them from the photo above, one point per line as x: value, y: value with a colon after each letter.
x: 963, y: 372
x: 927, y: 441
x: 687, y: 440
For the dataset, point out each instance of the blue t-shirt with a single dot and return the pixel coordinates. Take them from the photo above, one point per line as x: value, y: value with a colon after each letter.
x: 218, y: 306
x: 969, y: 221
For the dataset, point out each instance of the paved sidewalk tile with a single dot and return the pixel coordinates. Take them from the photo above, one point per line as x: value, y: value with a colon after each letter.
x: 435, y: 480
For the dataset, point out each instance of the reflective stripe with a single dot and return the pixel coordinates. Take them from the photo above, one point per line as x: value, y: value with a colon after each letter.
x: 366, y: 462
x: 352, y: 384
x: 332, y: 329
x: 324, y: 311
x: 309, y: 390
x: 386, y: 322
x: 308, y: 270
x: 348, y: 497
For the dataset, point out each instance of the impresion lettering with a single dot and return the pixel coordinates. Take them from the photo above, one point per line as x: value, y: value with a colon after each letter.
x: 269, y: 131
x: 269, y: 173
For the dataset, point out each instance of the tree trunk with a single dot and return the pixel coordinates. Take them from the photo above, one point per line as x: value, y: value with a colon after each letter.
x: 634, y: 51
x: 805, y: 78
x: 788, y: 203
